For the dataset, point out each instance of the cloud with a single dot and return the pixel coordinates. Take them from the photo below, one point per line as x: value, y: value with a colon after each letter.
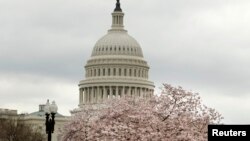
x: 25, y: 92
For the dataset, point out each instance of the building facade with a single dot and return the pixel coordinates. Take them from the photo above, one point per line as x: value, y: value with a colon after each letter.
x: 116, y: 67
x: 38, y: 120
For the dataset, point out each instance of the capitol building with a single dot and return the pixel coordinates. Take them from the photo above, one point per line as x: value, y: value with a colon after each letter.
x: 116, y: 67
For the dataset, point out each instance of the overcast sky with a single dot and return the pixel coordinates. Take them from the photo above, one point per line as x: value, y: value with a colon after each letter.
x: 201, y: 45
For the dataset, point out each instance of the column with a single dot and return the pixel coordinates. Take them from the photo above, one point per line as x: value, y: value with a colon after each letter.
x: 111, y: 71
x: 110, y: 92
x: 87, y: 95
x: 84, y: 96
x: 80, y: 102
x: 104, y: 94
x: 143, y: 92
x: 146, y: 93
x: 132, y: 92
x: 123, y: 91
x: 129, y: 91
x: 122, y: 70
x: 140, y: 91
x: 101, y: 71
x: 95, y: 94
x: 116, y: 91
x: 91, y: 95
x: 98, y: 95
x: 82, y: 90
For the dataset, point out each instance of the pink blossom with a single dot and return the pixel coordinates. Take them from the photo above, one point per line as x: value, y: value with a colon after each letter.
x: 175, y: 115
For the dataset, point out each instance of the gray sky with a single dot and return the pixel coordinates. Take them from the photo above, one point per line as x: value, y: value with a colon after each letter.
x: 202, y: 45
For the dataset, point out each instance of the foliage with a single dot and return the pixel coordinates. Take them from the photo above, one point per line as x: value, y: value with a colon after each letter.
x: 175, y: 115
x: 16, y: 129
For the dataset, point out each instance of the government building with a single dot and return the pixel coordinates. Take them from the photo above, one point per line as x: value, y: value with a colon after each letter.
x: 116, y: 67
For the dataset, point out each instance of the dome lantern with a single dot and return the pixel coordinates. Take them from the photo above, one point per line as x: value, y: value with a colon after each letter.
x: 117, y: 18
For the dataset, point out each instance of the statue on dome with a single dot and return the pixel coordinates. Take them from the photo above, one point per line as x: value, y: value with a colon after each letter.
x: 118, y: 7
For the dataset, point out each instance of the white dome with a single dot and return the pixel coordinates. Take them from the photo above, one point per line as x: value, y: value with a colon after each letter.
x: 117, y: 43
x: 116, y: 67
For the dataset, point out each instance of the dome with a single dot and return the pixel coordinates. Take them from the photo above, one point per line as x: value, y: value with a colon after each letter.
x: 116, y: 67
x: 117, y: 43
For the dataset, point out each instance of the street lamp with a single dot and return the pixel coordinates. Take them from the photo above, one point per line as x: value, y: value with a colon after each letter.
x: 50, y: 111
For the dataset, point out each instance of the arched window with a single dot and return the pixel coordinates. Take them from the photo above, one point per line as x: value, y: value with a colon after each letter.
x: 130, y: 72
x: 99, y: 72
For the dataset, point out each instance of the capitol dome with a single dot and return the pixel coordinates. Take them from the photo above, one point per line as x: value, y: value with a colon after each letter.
x: 116, y: 67
x: 117, y: 43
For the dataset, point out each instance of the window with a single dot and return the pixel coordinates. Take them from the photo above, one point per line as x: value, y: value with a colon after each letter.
x: 114, y: 71
x: 103, y: 72
x: 125, y: 72
x: 120, y: 72
x: 109, y: 72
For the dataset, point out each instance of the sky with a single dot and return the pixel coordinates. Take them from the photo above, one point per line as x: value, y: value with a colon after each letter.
x: 201, y: 45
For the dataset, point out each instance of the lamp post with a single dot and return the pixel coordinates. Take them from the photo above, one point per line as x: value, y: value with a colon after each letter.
x: 50, y: 111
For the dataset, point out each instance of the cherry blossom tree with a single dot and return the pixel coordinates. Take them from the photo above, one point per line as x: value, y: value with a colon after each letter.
x: 174, y: 115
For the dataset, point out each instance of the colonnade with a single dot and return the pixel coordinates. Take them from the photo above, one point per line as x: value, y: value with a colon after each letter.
x: 97, y: 94
x: 117, y: 71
